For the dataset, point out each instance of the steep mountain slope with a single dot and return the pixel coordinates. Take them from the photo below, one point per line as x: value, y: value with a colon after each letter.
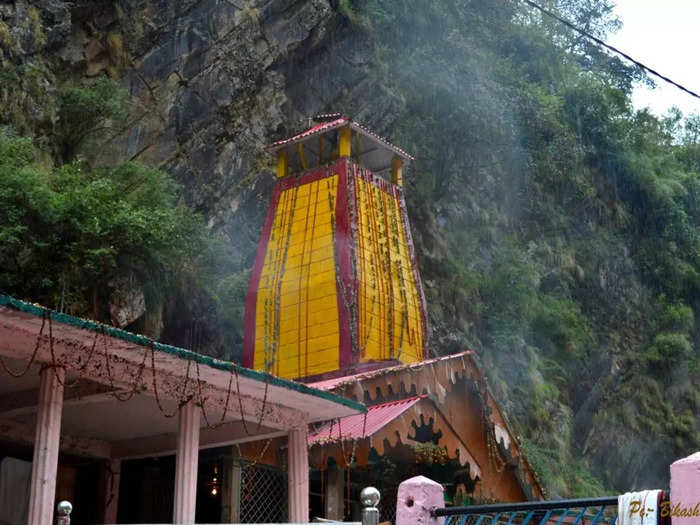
x: 557, y: 229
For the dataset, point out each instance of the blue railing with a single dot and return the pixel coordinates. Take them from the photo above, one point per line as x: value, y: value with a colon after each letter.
x: 592, y: 511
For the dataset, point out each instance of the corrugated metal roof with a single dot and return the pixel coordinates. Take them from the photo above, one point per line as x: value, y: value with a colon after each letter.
x: 362, y: 425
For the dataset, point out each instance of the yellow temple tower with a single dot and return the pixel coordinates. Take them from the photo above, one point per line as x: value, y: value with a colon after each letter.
x: 335, y: 288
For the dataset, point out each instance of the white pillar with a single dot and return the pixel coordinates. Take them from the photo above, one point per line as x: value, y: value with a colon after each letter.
x: 298, y: 476
x: 46, y: 440
x: 186, y: 461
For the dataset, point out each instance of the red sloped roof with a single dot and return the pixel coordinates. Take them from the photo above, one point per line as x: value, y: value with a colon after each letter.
x: 362, y: 425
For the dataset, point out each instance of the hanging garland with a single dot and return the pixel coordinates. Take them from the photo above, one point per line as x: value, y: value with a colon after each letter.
x: 270, y: 304
x: 301, y: 288
x: 324, y: 466
x: 346, y: 291
x: 251, y: 465
x: 136, y: 385
x: 348, y: 463
x: 83, y: 367
x: 377, y: 266
x: 402, y: 284
x: 202, y: 399
x: 34, y: 353
x: 308, y: 276
x: 361, y: 204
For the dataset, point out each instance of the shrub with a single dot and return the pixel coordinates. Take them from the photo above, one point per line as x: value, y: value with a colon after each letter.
x: 86, y: 112
x: 560, y: 325
x: 678, y: 317
x: 66, y: 233
x: 669, y: 349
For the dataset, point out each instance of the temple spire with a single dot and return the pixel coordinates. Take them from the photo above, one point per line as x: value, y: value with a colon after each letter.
x: 335, y: 287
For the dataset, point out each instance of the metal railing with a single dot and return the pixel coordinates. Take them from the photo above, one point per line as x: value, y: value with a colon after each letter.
x: 591, y: 511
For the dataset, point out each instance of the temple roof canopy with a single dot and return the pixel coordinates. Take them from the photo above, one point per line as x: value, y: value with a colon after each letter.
x: 387, y: 425
x: 123, y: 389
x: 321, y: 140
x: 444, y: 400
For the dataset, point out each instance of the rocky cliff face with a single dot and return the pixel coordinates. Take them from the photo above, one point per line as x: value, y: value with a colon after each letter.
x: 215, y: 82
x: 212, y: 82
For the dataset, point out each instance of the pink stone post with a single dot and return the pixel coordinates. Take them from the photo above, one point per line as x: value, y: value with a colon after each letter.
x: 685, y: 490
x: 48, y: 434
x: 416, y: 498
x: 187, y: 459
x: 298, y: 476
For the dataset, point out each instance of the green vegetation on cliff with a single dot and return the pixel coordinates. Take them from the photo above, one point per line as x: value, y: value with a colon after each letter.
x: 67, y: 232
x: 108, y: 243
x: 557, y: 229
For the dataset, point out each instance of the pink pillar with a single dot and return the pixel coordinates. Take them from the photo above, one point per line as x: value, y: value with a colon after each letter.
x: 48, y: 434
x: 187, y: 459
x: 685, y: 490
x: 298, y: 475
x: 415, y: 499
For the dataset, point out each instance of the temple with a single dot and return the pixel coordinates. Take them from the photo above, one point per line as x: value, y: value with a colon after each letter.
x: 336, y: 301
x: 435, y: 418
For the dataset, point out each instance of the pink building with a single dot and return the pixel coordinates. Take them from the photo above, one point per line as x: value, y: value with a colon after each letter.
x: 83, y: 406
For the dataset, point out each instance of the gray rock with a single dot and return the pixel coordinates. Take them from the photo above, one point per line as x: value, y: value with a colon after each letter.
x: 127, y: 302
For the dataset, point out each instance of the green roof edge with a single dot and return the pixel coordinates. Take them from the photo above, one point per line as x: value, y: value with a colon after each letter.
x: 182, y: 353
